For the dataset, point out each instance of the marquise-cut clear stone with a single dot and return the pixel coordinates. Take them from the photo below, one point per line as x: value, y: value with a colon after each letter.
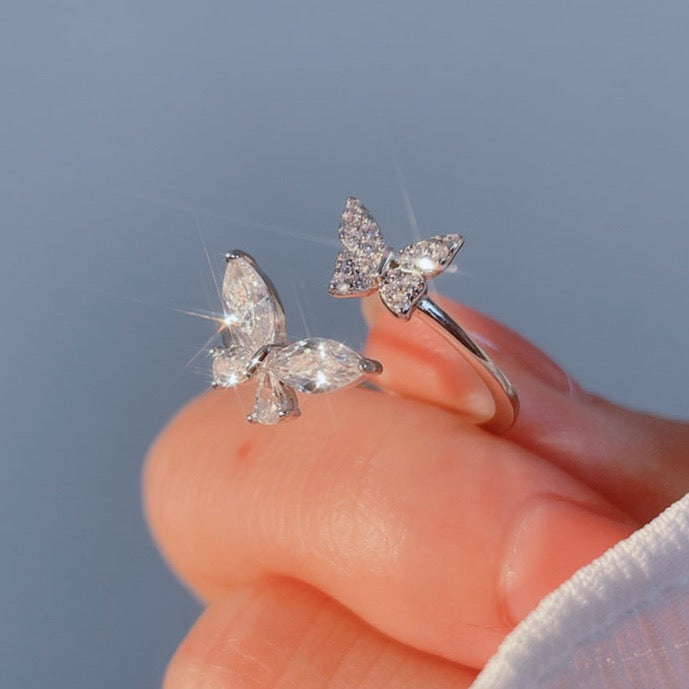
x: 431, y: 256
x: 253, y: 315
x: 229, y: 366
x: 353, y: 275
x: 317, y: 365
x: 359, y: 231
x: 400, y: 290
x: 275, y: 402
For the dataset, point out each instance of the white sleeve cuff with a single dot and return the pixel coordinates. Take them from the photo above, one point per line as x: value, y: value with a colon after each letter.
x: 621, y: 622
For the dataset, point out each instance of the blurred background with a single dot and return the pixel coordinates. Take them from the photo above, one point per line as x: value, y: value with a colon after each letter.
x: 136, y: 137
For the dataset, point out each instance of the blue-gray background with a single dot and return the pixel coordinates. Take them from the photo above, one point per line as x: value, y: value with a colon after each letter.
x: 552, y: 134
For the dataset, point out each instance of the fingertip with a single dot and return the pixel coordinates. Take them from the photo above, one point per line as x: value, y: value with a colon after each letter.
x: 175, y: 470
x: 208, y: 460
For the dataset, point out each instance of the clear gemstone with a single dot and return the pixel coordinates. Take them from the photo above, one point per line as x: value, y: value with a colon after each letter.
x: 252, y: 312
x: 317, y: 365
x: 229, y: 366
x: 359, y: 231
x: 353, y: 275
x: 275, y: 402
x: 400, y: 291
x: 430, y: 257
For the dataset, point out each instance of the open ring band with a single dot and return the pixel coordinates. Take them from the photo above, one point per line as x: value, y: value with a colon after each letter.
x: 502, y: 391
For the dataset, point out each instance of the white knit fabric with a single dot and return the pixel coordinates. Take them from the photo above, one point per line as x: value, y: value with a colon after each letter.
x: 621, y: 622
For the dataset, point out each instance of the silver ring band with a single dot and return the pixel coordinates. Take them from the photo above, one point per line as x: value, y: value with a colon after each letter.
x: 503, y: 393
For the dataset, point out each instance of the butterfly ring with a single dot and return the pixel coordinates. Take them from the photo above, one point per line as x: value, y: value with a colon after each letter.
x: 254, y: 344
x: 367, y: 265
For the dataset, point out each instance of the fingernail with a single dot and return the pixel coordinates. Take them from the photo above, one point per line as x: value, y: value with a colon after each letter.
x: 551, y: 540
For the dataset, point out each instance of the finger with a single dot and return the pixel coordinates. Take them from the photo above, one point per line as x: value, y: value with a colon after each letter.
x: 284, y: 635
x: 640, y: 462
x: 414, y: 520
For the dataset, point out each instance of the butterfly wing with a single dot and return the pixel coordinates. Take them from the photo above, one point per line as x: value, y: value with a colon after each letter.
x: 253, y: 317
x: 359, y: 231
x: 401, y: 290
x: 430, y: 257
x: 229, y: 365
x: 253, y: 313
x: 317, y: 364
x: 356, y: 267
x: 354, y: 276
x: 404, y: 283
x: 275, y: 401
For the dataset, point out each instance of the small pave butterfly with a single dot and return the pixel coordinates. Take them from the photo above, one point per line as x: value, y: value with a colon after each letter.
x: 367, y: 265
x: 254, y: 343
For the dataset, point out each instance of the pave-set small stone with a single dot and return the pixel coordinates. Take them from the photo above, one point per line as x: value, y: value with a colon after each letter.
x: 255, y: 343
x: 366, y: 264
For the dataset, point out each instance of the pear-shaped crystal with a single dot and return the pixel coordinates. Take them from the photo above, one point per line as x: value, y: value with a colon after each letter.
x: 229, y: 366
x: 275, y: 402
x: 253, y: 315
x: 317, y: 365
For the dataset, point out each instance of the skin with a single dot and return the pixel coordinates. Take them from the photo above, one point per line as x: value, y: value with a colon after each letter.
x: 383, y: 539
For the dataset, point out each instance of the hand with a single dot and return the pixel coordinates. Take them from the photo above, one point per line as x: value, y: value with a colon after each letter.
x: 381, y: 540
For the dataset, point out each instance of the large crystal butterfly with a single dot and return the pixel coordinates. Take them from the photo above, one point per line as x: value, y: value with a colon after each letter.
x: 254, y: 343
x: 366, y: 264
